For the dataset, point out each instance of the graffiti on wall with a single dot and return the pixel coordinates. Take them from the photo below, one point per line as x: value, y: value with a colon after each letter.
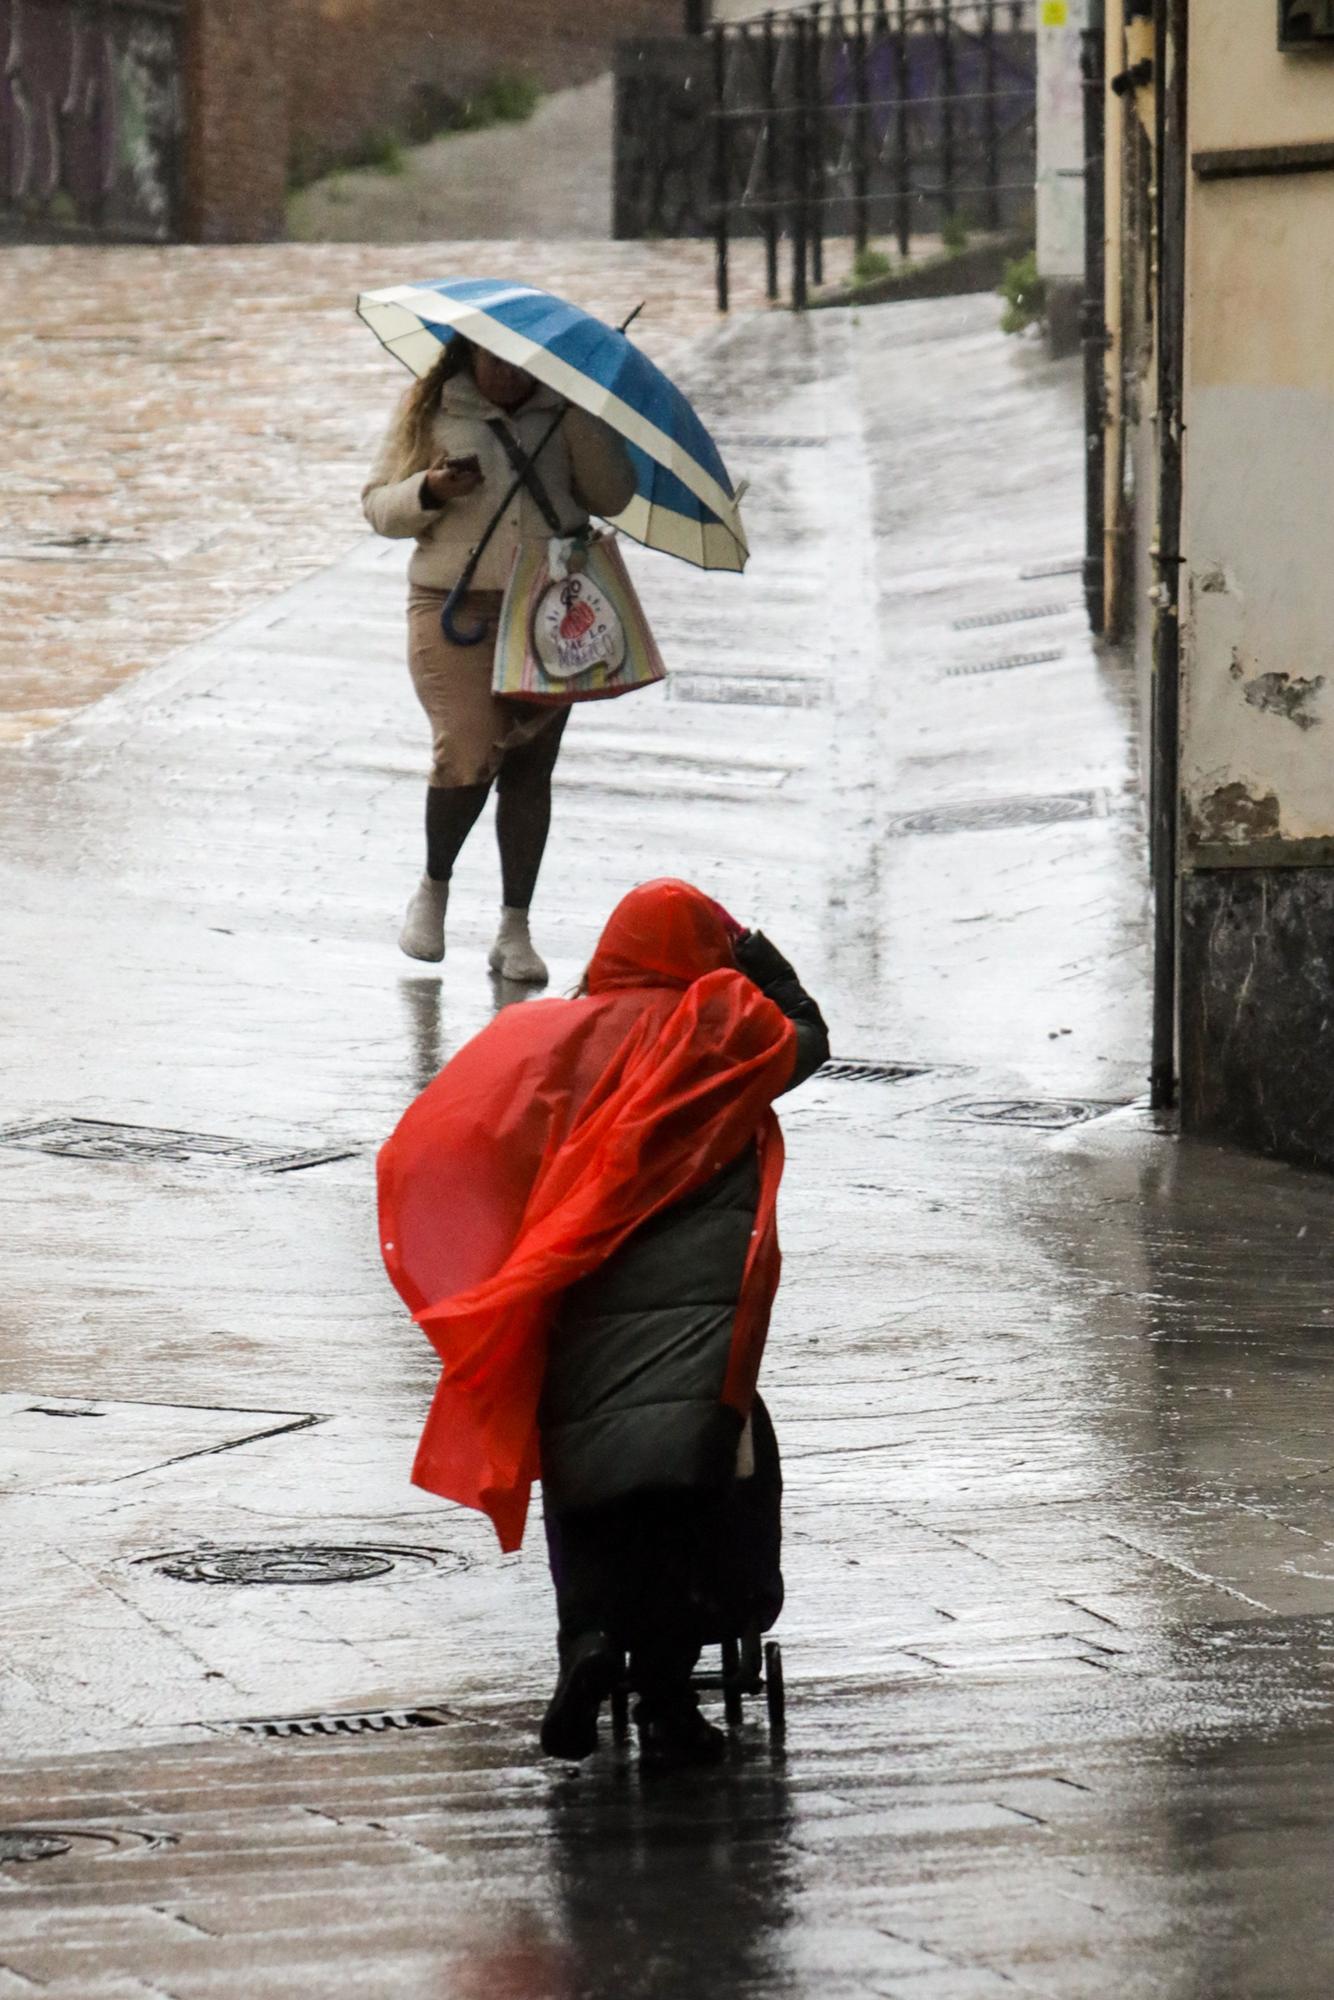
x: 91, y: 117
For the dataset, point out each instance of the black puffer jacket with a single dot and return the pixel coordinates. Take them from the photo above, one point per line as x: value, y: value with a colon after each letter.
x: 639, y: 1349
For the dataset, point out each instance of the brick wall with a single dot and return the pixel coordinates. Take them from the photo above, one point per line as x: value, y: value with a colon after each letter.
x: 360, y: 66
x: 236, y: 124
x: 270, y: 82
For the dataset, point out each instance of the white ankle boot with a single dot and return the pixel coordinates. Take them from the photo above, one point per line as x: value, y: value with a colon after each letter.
x: 512, y: 954
x: 423, y: 932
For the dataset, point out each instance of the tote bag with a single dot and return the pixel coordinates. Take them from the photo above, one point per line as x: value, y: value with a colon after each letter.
x: 571, y: 626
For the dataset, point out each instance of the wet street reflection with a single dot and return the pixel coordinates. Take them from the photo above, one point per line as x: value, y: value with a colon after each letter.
x: 1051, y: 1386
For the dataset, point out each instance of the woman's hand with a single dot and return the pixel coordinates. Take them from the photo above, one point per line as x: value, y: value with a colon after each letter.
x: 450, y: 479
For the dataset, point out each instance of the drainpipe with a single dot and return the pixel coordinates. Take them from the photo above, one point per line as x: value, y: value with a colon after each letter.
x: 1171, y: 26
x: 1113, y: 462
x: 1093, y: 319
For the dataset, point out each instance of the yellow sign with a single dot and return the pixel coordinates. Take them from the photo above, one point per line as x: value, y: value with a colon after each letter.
x: 1055, y: 13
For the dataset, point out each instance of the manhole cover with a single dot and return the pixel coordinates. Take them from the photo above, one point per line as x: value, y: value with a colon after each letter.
x: 47, y: 1843
x: 355, y: 1723
x: 298, y: 1563
x: 993, y: 815
x: 102, y: 1139
x: 745, y: 690
x: 1047, y: 1114
x: 17, y: 1844
x: 1015, y: 615
x: 1006, y: 663
x: 851, y: 1069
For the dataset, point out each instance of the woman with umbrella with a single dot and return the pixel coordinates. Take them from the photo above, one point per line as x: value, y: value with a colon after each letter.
x: 580, y: 1213
x: 528, y: 415
x: 442, y: 467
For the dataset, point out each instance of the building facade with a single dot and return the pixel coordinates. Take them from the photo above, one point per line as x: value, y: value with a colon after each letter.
x: 1217, y: 439
x: 157, y: 120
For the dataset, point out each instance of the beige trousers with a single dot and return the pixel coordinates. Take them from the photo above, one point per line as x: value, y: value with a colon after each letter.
x: 471, y: 728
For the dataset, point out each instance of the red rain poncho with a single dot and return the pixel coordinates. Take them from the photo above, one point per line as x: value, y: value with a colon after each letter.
x: 545, y: 1143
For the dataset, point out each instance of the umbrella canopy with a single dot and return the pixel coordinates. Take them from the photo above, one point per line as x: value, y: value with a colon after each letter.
x: 684, y: 501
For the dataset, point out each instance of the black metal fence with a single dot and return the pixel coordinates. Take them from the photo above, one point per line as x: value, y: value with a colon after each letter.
x: 897, y: 119
x: 894, y: 120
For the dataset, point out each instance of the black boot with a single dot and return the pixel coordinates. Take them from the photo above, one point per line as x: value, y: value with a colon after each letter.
x: 588, y: 1669
x: 673, y: 1735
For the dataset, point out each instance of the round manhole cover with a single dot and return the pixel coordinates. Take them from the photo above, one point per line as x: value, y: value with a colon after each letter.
x: 299, y: 1563
x: 1046, y: 1113
x: 995, y: 815
x: 46, y: 1843
x: 18, y: 1843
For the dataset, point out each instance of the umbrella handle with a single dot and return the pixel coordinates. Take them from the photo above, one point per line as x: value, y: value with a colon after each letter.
x: 450, y: 606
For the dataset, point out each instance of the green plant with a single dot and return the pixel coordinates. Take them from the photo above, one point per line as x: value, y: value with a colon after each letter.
x: 379, y: 149
x: 954, y: 233
x: 1025, y: 294
x: 870, y: 264
x: 507, y: 99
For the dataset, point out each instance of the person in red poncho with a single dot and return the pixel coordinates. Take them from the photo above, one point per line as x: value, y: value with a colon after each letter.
x: 580, y: 1214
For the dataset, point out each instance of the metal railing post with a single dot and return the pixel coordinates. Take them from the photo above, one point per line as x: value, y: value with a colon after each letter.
x: 770, y: 167
x: 800, y: 164
x: 991, y: 119
x: 816, y: 137
x: 861, y: 132
x: 721, y: 190
x: 948, y: 92
x: 902, y: 154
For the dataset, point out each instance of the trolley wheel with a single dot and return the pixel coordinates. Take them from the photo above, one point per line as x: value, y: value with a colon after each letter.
x: 752, y: 1661
x: 732, y: 1683
x: 774, y: 1695
x: 620, y: 1712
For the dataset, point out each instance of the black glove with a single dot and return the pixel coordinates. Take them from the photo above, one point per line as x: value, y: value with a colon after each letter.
x: 762, y: 961
x: 765, y: 964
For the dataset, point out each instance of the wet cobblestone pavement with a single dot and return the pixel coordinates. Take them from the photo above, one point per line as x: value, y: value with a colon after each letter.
x: 189, y: 428
x: 1052, y: 1388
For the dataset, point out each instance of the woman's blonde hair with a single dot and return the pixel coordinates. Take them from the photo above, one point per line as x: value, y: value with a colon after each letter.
x: 416, y: 413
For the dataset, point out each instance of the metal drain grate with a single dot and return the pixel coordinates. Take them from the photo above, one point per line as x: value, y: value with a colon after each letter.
x: 1015, y: 616
x: 298, y: 1563
x: 363, y: 1722
x: 767, y: 441
x: 102, y: 1139
x: 1005, y: 663
x: 1045, y: 1114
x: 995, y: 815
x: 1062, y: 566
x: 851, y: 1069
x: 745, y: 690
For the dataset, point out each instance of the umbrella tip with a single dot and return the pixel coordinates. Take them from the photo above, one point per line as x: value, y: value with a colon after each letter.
x: 631, y: 317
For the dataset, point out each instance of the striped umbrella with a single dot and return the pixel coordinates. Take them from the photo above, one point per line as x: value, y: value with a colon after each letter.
x: 684, y: 502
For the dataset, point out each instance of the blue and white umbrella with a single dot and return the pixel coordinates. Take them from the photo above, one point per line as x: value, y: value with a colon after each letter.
x: 684, y: 502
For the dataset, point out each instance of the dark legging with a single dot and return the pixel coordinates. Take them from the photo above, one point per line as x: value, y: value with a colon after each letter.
x: 668, y: 1569
x: 523, y: 815
x: 631, y: 1570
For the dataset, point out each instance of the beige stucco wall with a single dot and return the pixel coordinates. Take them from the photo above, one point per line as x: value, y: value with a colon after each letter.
x: 1258, y: 528
x: 1242, y: 91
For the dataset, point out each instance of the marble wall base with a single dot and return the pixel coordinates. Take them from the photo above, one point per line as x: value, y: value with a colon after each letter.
x: 1257, y: 1009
